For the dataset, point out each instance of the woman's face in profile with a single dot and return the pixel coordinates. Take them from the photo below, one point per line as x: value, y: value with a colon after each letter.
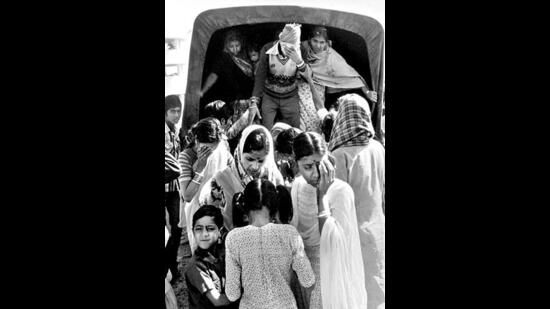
x: 234, y: 47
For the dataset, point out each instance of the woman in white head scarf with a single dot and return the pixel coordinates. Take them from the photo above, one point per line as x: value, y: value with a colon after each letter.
x: 253, y: 158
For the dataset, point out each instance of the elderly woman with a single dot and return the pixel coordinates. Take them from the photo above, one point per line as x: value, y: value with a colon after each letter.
x: 232, y: 71
x: 360, y: 162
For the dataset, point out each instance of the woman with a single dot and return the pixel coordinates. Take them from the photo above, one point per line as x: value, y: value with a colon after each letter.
x: 261, y: 256
x: 199, y: 161
x: 331, y: 75
x: 324, y: 214
x: 360, y: 162
x: 232, y: 71
x: 253, y: 159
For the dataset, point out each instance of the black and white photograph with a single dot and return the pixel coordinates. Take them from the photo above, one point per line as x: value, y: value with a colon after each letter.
x: 274, y: 180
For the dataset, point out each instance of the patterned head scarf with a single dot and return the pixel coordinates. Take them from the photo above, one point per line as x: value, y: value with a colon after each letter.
x: 352, y: 125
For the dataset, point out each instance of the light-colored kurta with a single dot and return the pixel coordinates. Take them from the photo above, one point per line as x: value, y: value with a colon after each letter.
x: 260, y: 260
x: 363, y: 167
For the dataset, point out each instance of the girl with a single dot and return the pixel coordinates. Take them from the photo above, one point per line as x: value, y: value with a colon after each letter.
x: 260, y: 257
x: 324, y: 214
x: 203, y: 157
x: 252, y: 159
x: 232, y: 71
x: 254, y: 55
x: 360, y: 162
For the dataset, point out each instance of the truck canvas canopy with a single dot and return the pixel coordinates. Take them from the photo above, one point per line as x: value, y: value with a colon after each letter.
x: 361, y: 40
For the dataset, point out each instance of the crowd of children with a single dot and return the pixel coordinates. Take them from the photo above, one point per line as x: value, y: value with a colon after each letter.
x: 281, y: 210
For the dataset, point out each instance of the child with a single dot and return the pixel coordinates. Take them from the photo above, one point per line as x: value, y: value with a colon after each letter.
x: 205, y: 275
x: 254, y: 55
x: 261, y: 256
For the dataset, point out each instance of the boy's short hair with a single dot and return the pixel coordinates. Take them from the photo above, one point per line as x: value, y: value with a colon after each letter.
x: 171, y: 101
x: 209, y: 211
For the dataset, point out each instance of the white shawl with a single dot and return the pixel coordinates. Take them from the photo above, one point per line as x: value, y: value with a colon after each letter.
x: 342, y: 276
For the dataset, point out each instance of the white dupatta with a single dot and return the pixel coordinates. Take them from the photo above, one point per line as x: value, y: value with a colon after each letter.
x: 216, y: 161
x: 342, y: 276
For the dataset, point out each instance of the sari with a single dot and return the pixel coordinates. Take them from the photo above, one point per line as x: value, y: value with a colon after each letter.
x: 234, y: 178
x: 244, y: 65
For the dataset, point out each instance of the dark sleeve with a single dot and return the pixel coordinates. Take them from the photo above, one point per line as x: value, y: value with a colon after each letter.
x: 199, y: 278
x: 218, y: 65
x: 261, y: 71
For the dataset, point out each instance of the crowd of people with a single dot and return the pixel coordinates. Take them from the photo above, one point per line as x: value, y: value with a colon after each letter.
x: 280, y: 192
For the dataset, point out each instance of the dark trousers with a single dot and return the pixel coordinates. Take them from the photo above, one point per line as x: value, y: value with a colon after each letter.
x: 289, y: 108
x: 172, y: 204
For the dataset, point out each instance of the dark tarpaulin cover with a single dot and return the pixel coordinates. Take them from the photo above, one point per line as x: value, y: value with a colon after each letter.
x: 212, y: 20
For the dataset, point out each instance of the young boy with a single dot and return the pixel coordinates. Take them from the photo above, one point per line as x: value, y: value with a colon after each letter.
x: 172, y: 115
x: 254, y: 55
x: 205, y: 274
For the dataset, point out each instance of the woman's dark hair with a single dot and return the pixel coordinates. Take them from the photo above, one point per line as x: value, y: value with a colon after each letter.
x: 233, y: 35
x: 240, y: 218
x: 262, y: 192
x: 210, y: 211
x: 308, y: 143
x: 327, y: 124
x: 319, y: 31
x: 284, y: 141
x: 217, y: 109
x: 256, y: 141
x: 207, y: 130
